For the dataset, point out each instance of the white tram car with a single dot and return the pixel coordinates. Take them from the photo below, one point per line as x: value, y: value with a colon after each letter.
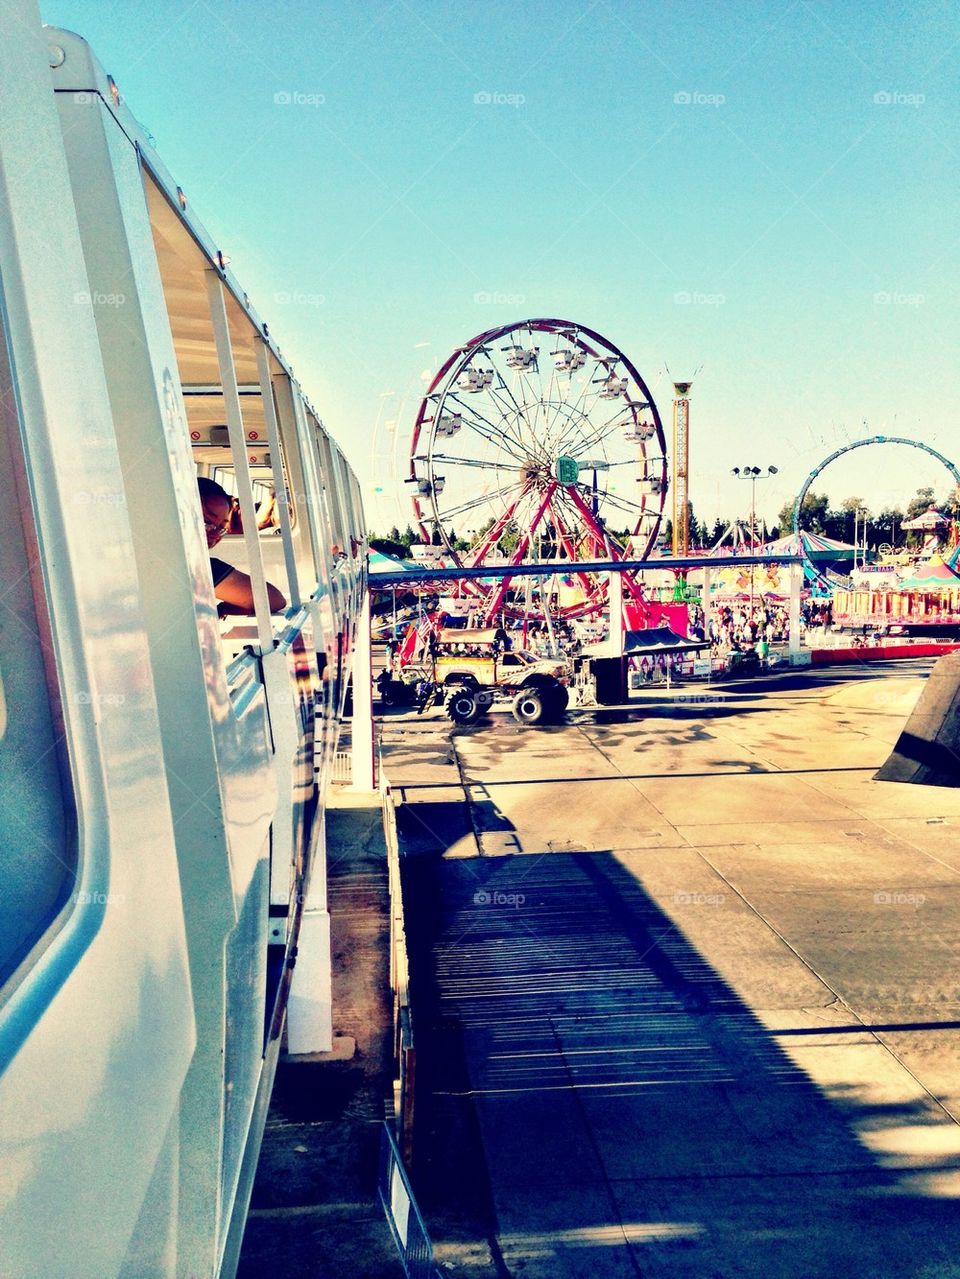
x: 161, y: 820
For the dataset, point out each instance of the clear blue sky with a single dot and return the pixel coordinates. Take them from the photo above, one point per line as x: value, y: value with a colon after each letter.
x: 812, y: 224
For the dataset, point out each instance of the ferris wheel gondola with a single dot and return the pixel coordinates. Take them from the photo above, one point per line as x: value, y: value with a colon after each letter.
x: 555, y: 459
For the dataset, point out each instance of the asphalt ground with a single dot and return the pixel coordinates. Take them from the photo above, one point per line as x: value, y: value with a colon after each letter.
x: 686, y: 986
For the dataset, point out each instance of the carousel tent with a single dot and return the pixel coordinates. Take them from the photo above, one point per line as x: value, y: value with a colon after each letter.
x: 931, y: 521
x: 933, y: 576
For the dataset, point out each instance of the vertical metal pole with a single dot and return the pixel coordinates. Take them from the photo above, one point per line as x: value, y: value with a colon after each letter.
x: 362, y: 745
x: 238, y: 449
x: 705, y: 603
x: 796, y: 577
x: 544, y: 599
x: 279, y: 478
x: 753, y: 535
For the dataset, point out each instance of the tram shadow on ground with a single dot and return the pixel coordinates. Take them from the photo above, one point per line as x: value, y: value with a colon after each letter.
x: 596, y: 1100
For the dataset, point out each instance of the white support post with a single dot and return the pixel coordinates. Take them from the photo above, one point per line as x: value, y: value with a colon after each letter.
x: 796, y: 578
x: 330, y: 477
x: 238, y: 450
x: 706, y: 604
x: 615, y: 596
x: 362, y: 745
x: 310, y: 1007
x: 279, y: 478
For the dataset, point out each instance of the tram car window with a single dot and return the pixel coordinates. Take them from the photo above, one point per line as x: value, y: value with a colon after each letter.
x: 38, y: 845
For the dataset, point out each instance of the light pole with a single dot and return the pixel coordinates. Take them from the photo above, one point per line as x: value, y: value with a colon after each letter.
x: 753, y: 474
x: 860, y: 516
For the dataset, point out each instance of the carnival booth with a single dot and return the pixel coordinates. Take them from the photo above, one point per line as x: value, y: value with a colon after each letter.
x: 928, y: 600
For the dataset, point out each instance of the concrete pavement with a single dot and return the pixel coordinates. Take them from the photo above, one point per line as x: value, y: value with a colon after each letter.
x: 687, y: 988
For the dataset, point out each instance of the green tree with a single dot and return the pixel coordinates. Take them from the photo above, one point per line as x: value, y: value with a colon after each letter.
x: 885, y: 528
x: 695, y: 532
x: 921, y: 500
x: 509, y: 539
x: 852, y: 511
x: 389, y: 546
x: 814, y: 515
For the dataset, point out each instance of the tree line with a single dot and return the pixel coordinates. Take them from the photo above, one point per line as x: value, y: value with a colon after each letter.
x: 882, y: 528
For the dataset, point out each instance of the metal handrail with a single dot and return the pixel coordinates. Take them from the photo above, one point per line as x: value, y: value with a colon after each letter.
x: 403, y: 1216
x: 403, y: 1042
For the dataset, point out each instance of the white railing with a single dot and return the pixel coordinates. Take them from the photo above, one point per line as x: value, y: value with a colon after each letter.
x: 403, y: 1045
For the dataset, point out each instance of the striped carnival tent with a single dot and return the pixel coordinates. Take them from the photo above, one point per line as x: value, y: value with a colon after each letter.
x: 379, y: 562
x: 935, y: 575
x: 816, y: 547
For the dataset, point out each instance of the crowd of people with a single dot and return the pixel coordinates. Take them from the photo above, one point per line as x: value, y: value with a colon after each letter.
x: 736, y: 628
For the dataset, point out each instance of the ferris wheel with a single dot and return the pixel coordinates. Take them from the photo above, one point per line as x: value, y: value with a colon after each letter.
x: 535, y: 442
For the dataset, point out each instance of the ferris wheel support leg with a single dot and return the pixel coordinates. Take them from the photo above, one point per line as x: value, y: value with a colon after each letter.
x: 571, y: 551
x: 600, y: 533
x: 517, y: 557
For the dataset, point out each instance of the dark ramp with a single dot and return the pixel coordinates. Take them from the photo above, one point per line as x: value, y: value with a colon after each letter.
x: 612, y: 1108
x: 928, y: 750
